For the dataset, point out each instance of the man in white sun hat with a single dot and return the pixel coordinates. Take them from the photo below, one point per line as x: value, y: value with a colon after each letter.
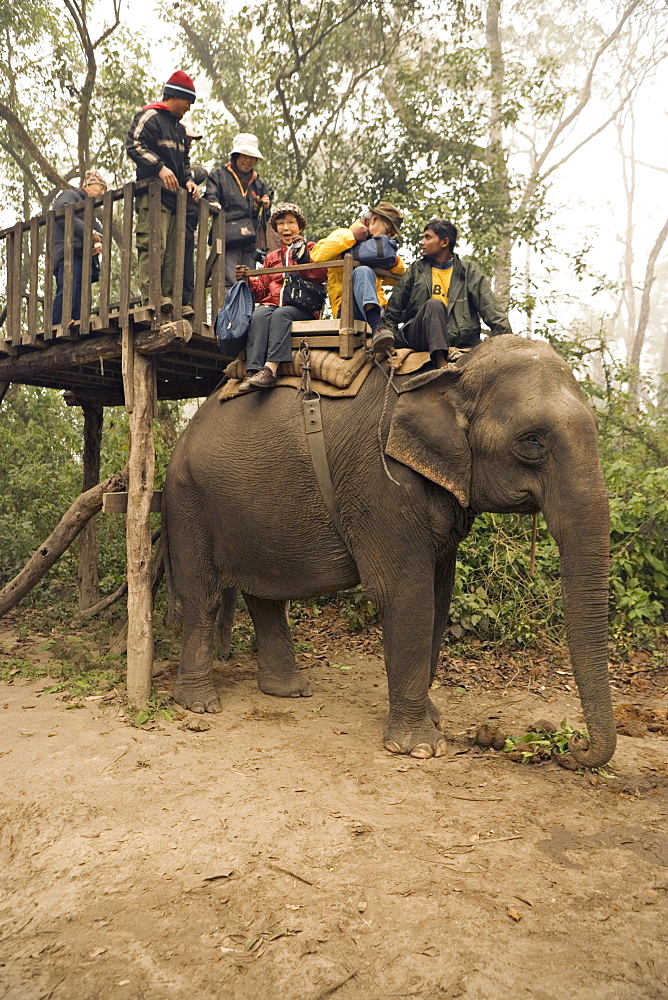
x: 236, y: 189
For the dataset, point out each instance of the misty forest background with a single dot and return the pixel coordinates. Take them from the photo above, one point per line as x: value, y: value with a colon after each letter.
x: 476, y: 111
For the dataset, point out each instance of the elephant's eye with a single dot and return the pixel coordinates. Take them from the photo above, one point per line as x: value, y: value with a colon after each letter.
x: 530, y: 448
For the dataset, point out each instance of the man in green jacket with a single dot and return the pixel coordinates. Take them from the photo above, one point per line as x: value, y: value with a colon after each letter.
x: 441, y: 299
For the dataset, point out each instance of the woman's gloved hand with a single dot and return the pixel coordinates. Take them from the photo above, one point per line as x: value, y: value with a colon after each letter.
x: 299, y: 252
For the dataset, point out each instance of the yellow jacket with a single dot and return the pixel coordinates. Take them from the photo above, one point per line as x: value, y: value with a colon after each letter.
x: 333, y: 246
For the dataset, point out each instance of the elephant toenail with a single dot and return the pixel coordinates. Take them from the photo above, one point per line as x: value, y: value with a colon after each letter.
x: 441, y: 748
x: 422, y: 751
x: 393, y: 746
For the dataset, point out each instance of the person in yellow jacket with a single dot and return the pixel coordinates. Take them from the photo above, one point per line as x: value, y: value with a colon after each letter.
x: 368, y: 295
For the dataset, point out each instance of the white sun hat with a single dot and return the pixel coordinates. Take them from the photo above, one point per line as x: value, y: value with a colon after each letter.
x: 246, y: 144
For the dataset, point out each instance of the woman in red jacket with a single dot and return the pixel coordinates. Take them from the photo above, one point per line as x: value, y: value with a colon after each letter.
x: 269, y: 335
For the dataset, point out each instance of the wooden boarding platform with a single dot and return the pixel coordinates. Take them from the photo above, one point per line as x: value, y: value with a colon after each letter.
x: 122, y: 351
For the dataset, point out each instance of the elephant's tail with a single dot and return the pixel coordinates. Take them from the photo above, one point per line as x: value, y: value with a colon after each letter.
x: 172, y: 619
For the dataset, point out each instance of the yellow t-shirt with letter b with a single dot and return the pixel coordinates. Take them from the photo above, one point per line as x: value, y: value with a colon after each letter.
x: 440, y: 282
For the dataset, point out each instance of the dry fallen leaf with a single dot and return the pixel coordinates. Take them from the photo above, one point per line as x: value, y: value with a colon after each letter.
x: 514, y: 914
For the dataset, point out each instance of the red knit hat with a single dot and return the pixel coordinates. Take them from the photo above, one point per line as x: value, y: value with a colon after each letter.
x: 180, y: 85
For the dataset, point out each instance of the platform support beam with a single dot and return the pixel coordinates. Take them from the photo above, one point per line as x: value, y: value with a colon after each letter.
x: 141, y: 470
x: 88, y: 580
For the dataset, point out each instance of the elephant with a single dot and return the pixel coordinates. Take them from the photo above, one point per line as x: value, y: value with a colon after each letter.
x: 412, y: 460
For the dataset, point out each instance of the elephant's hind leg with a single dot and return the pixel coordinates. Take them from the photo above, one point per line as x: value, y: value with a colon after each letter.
x: 222, y: 637
x: 277, y: 668
x: 194, y: 686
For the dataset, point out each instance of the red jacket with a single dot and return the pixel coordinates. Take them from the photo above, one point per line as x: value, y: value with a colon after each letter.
x: 267, y: 289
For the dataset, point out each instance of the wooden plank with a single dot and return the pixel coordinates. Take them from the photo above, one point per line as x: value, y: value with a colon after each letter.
x: 154, y: 250
x: 218, y: 271
x: 347, y: 328
x: 105, y: 262
x: 48, y: 279
x: 17, y: 284
x: 338, y: 262
x: 68, y: 258
x: 117, y: 503
x: 33, y: 290
x: 179, y: 252
x: 325, y: 342
x: 141, y: 469
x: 86, y: 267
x: 200, y: 266
x: 327, y: 326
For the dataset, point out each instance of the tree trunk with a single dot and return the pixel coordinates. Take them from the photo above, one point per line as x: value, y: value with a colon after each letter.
x: 81, y: 511
x: 88, y: 580
x: 496, y: 156
x: 643, y: 318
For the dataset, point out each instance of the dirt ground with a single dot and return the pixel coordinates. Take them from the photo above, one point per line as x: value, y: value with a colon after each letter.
x: 282, y: 853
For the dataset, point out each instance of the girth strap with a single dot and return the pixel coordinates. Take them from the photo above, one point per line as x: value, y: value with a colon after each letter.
x: 316, y: 445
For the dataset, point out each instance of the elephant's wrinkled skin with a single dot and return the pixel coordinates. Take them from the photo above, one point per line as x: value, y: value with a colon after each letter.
x: 506, y: 431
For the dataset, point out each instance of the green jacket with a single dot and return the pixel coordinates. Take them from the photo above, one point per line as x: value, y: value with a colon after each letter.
x: 470, y: 299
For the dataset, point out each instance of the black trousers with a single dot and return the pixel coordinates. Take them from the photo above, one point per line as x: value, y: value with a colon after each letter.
x: 429, y: 330
x: 269, y: 335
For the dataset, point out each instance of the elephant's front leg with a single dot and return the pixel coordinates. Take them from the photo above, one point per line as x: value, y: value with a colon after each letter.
x: 277, y: 667
x: 408, y: 635
x: 444, y: 581
x: 194, y: 686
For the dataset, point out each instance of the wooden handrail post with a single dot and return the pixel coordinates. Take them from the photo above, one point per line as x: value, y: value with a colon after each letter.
x: 180, y: 250
x: 47, y: 314
x: 347, y: 325
x: 68, y: 258
x: 154, y: 250
x: 86, y: 266
x: 200, y: 265
x: 218, y: 271
x: 105, y: 263
x: 34, y: 279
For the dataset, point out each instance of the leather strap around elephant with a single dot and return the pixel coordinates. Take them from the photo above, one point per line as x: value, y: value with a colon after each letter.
x: 316, y: 445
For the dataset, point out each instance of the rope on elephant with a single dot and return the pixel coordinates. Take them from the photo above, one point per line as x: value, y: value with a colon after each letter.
x: 305, y: 360
x: 390, y: 385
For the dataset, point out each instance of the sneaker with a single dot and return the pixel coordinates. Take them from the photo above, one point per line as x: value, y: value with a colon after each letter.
x: 382, y: 340
x: 187, y: 312
x: 166, y: 304
x: 264, y: 379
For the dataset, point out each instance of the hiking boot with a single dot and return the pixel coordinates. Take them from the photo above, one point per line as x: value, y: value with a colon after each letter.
x: 166, y: 304
x: 382, y: 340
x: 187, y: 312
x: 264, y: 379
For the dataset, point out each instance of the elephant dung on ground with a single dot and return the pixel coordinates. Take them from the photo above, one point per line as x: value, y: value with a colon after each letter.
x: 505, y: 430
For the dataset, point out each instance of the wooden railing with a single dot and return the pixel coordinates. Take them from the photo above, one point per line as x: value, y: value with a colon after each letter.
x: 27, y: 260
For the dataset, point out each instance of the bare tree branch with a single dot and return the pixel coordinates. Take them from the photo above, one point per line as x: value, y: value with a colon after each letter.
x: 31, y: 147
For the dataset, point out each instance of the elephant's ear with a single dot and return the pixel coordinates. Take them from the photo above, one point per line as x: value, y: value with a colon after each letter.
x: 429, y: 435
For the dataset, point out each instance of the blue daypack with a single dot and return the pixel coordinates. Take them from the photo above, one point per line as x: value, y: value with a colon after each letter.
x: 377, y: 251
x: 233, y: 320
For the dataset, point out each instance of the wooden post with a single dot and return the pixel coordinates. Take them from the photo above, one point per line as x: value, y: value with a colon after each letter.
x: 17, y: 286
x: 141, y: 468
x: 346, y: 324
x: 179, y: 252
x: 34, y: 279
x: 200, y: 265
x: 155, y: 250
x: 48, y: 279
x: 105, y: 263
x: 88, y: 580
x: 125, y: 316
x: 86, y: 266
x: 218, y: 271
x: 68, y: 262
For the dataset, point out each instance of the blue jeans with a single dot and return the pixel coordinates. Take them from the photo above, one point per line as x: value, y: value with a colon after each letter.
x: 269, y: 335
x: 364, y: 291
x: 57, y: 314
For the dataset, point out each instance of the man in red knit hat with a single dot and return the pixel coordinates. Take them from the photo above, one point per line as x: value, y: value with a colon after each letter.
x: 158, y: 144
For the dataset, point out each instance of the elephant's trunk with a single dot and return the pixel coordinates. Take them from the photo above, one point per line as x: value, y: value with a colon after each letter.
x: 581, y: 527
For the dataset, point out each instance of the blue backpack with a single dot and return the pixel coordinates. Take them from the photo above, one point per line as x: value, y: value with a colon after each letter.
x: 233, y: 320
x: 377, y: 251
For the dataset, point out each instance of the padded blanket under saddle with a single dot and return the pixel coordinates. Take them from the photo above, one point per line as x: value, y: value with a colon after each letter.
x: 330, y: 374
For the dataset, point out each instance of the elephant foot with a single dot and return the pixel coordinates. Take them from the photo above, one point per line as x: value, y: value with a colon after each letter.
x: 197, y: 696
x: 283, y: 684
x: 421, y: 741
x: 436, y: 716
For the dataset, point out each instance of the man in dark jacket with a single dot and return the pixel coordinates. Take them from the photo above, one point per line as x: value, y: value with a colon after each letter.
x: 245, y: 198
x: 441, y: 299
x: 93, y: 186
x: 157, y: 143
